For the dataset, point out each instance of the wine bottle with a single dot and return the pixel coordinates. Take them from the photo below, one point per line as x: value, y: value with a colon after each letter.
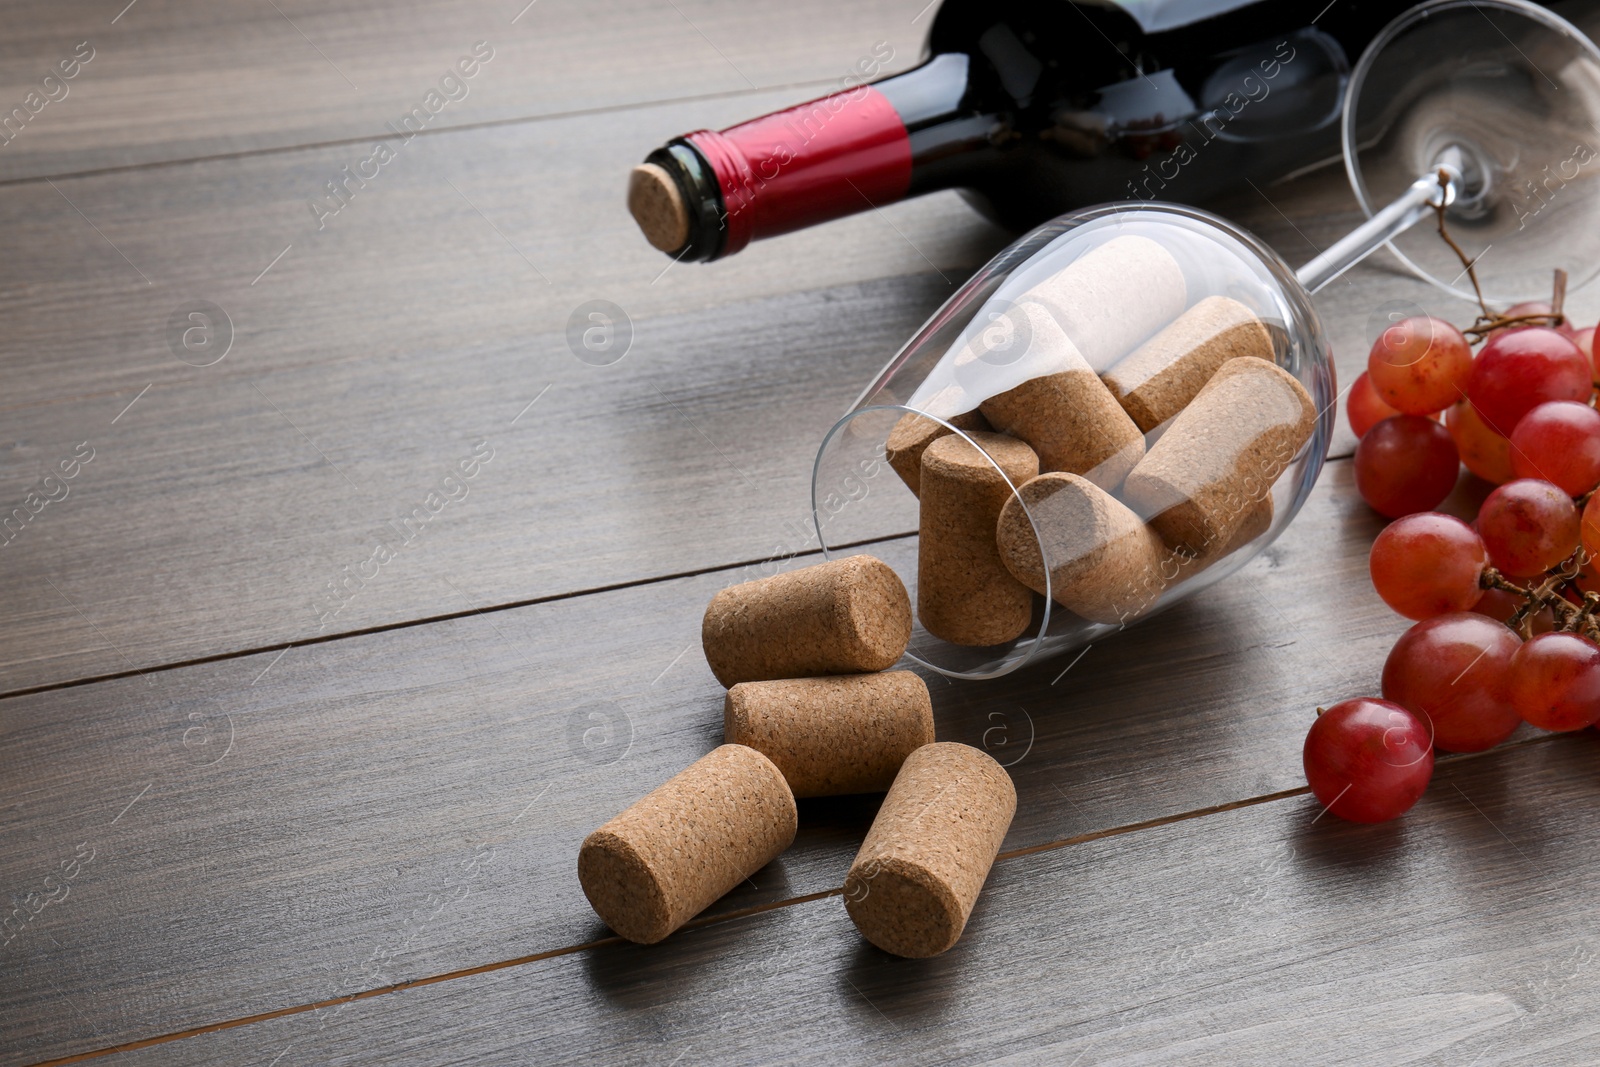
x: 1031, y: 108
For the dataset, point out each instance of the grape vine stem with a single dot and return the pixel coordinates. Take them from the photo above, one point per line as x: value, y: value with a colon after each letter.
x: 1568, y: 616
x: 1488, y: 320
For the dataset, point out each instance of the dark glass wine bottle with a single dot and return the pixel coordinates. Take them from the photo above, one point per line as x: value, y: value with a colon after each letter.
x: 1032, y: 108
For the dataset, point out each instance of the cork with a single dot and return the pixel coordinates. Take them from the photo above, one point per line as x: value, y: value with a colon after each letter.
x: 1112, y: 298
x: 1105, y: 563
x: 1006, y: 345
x: 965, y: 595
x: 1162, y: 375
x: 658, y: 207
x: 1222, y: 453
x: 915, y: 432
x: 840, y: 617
x: 663, y: 860
x: 1072, y: 421
x: 830, y: 736
x: 912, y: 886
x: 1257, y: 518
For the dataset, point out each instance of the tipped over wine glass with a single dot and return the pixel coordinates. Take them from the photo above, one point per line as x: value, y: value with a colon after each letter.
x: 1476, y: 116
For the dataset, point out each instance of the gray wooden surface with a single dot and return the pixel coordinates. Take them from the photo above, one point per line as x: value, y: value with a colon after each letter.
x: 282, y: 807
x: 1253, y: 936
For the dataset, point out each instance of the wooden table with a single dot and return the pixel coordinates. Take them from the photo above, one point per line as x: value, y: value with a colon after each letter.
x: 256, y: 810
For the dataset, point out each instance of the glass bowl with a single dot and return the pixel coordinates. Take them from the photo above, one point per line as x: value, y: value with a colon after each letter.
x: 1190, y: 328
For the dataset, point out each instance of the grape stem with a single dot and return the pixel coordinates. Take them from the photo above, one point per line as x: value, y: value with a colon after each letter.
x: 1585, y: 617
x: 1488, y: 320
x: 1468, y: 263
x: 1547, y: 595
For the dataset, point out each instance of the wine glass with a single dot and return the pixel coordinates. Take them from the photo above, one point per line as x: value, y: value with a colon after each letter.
x: 1478, y: 114
x: 1502, y: 97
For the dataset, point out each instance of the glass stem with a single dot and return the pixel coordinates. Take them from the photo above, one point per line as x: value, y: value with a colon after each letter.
x: 1405, y: 212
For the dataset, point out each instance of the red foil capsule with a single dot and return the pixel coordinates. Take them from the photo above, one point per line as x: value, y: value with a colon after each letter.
x: 807, y: 164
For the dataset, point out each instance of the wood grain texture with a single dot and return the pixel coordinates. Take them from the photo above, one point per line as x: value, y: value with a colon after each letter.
x: 172, y: 80
x: 1263, y: 935
x: 371, y: 350
x: 369, y: 359
x: 464, y: 243
x: 266, y: 831
x: 363, y: 773
x: 365, y: 367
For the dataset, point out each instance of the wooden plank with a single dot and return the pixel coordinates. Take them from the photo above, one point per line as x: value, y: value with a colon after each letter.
x: 1265, y: 935
x: 364, y: 775
x: 353, y: 389
x: 259, y: 842
x: 465, y: 242
x: 289, y: 482
x: 167, y: 82
x: 368, y: 358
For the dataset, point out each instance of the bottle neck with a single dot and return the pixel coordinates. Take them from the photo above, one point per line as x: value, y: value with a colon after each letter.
x: 834, y: 156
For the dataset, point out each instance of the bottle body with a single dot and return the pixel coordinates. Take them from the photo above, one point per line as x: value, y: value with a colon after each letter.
x: 1036, y: 107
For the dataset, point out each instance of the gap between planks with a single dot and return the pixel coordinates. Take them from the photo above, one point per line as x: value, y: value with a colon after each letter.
x: 428, y: 620
x: 730, y: 916
x: 451, y: 616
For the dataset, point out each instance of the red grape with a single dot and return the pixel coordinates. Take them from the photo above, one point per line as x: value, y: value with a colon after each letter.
x: 1420, y: 365
x: 1588, y: 579
x: 1500, y: 605
x: 1520, y: 369
x: 1368, y: 760
x: 1486, y: 453
x: 1559, y: 442
x: 1528, y: 526
x: 1365, y: 407
x: 1591, y: 527
x: 1555, y: 681
x: 1427, y: 564
x: 1406, y: 463
x: 1584, y: 339
x: 1452, y: 670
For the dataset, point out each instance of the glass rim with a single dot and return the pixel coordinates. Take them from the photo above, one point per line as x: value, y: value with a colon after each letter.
x: 1010, y: 662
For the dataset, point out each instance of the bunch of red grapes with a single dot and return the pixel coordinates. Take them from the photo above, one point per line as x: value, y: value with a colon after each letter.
x: 1507, y: 608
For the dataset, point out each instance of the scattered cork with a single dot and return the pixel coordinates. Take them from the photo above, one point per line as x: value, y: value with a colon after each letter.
x: 663, y: 860
x: 840, y: 617
x: 1166, y: 372
x: 1199, y: 481
x: 1105, y: 563
x: 965, y: 595
x: 658, y: 207
x: 914, y: 433
x: 1110, y: 299
x: 912, y: 886
x: 1068, y: 416
x: 847, y: 734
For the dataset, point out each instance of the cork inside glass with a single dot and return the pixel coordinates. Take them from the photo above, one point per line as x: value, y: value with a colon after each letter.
x: 860, y: 504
